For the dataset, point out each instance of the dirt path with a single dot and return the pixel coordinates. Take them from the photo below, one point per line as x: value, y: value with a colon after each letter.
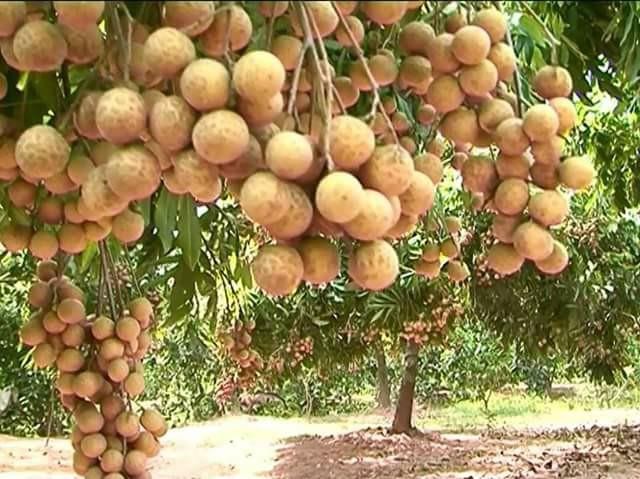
x: 246, y: 447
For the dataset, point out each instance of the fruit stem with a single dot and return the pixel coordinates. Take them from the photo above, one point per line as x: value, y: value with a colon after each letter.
x: 272, y: 19
x: 105, y: 273
x: 227, y: 39
x: 376, y: 104
x: 516, y: 79
x: 296, y: 77
x: 132, y: 271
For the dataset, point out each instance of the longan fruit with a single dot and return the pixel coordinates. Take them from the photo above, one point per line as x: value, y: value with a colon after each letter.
x: 81, y: 463
x: 493, y: 22
x: 261, y: 113
x: 21, y: 193
x: 111, y: 462
x: 78, y: 15
x: 83, y: 46
x: 383, y: 69
x: 478, y: 80
x: 205, y: 84
x: 132, y: 173
x: 479, y: 174
x: 39, y: 46
x: 339, y: 197
x: 320, y: 260
x: 493, y: 112
x: 548, y: 152
x: 323, y: 15
x: 383, y: 13
x: 168, y: 51
x: 504, y: 59
x: 504, y: 259
x: 471, y: 45
x: 374, y: 265
x: 440, y: 53
x: 7, y: 154
x: 258, y: 75
x: 192, y: 18
x: 430, y: 165
x: 503, y: 227
x: 288, y: 49
x: 357, y: 30
x: 553, y: 81
x: 298, y: 217
x: 274, y: 9
x: 513, y: 166
x: 556, y: 262
x: 86, y: 385
x: 346, y: 7
x: 72, y: 238
x: 147, y: 444
x: 199, y: 177
x: 236, y: 22
x: 511, y: 196
x: 419, y: 197
x: 111, y: 348
x: 263, y: 198
x: 41, y: 152
x: 549, y: 207
x: 351, y: 142
x: 12, y: 16
x: 576, y: 172
x: 40, y: 294
x: 374, y: 220
x: 73, y: 336
x: 43, y: 245
x: 540, y: 123
x: 445, y: 94
x: 460, y: 125
x: 389, y: 170
x: 533, y: 241
x: 221, y: 136
x: 566, y: 111
x: 277, y: 270
x: 70, y: 361
x: 134, y: 384
x: 511, y: 137
x: 455, y: 21
x: 135, y: 462
x: 127, y: 424
x: 121, y: 116
x: 79, y: 168
x: 170, y: 123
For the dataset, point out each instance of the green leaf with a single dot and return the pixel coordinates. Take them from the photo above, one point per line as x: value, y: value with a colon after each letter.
x: 165, y: 217
x: 180, y: 301
x: 189, y: 233
x: 47, y: 88
x: 532, y: 29
x: 87, y: 257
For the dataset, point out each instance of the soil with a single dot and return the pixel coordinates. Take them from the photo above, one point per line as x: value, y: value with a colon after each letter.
x: 357, y: 447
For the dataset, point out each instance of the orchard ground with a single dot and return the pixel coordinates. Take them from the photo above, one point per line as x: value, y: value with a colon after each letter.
x: 528, y: 438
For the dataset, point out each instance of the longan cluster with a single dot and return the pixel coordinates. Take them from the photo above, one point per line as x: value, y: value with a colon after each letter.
x: 99, y: 370
x: 237, y: 343
x: 300, y: 350
x: 370, y: 336
x: 429, y: 331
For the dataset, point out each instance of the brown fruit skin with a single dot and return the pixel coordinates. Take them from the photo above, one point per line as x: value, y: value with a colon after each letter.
x: 374, y: 219
x: 419, y: 197
x: 478, y: 80
x: 133, y: 173
x: 479, y: 174
x: 43, y: 245
x: 33, y: 333
x: 263, y: 198
x: 320, y: 260
x: 79, y: 168
x: 46, y: 270
x: 247, y: 164
x: 324, y: 16
x: 127, y: 226
x: 511, y: 138
x: 287, y: 48
x: 277, y: 270
x: 471, y: 45
x: 384, y: 13
x: 374, y: 265
x: 121, y: 115
x: 298, y: 218
x: 72, y: 238
x: 84, y: 46
x: 220, y: 137
x: 545, y: 176
x: 455, y: 21
x: 440, y: 54
x: 277, y: 8
x: 553, y: 81
x: 258, y: 75
x: 111, y: 462
x: 73, y: 336
x: 168, y: 51
x: 21, y: 193
x: 493, y: 112
x: 557, y: 261
x: 41, y: 152
x: 383, y: 68
x: 445, y: 94
x: 339, y: 197
x: 39, y: 46
x: 12, y: 15
x: 192, y: 18
x: 540, y: 123
x: 504, y: 259
x: 533, y: 241
x: 212, y: 40
x: 351, y: 142
x: 549, y: 152
x: 511, y: 196
x: 430, y: 165
x: 460, y: 126
x: 7, y: 154
x: 567, y: 116
x: 503, y: 227
x: 289, y: 155
x: 504, y: 58
x: 357, y: 30
x: 200, y: 178
x: 388, y: 170
x: 204, y: 84
x: 576, y: 172
x: 79, y: 15
x: 170, y: 123
x: 513, y: 166
x: 147, y: 444
x: 549, y: 207
x: 493, y: 22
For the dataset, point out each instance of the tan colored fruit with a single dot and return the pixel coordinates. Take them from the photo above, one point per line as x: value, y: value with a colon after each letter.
x: 374, y: 220
x: 471, y: 45
x: 567, y: 116
x: 234, y: 21
x: 426, y: 114
x: 170, y: 123
x: 320, y: 259
x: 275, y: 9
x: 153, y: 422
x: 101, y: 152
x: 46, y: 270
x: 511, y: 196
x: 549, y: 207
x: 135, y: 462
x: 44, y: 355
x: 12, y: 15
x: 431, y: 253
x: 263, y: 198
x: 88, y: 419
x: 419, y: 197
x: 111, y: 406
x: 504, y: 59
x: 346, y: 7
x: 440, y: 54
x: 71, y: 311
x: 84, y: 117
x: 545, y: 176
x: 347, y: 91
x: 152, y: 96
x: 134, y: 384
x: 70, y: 361
x: 79, y: 168
x: 374, y: 265
x: 312, y: 126
x: 400, y: 122
x: 479, y: 174
x: 576, y: 172
x: 409, y: 144
x: 73, y: 336
x: 39, y: 46
x: 220, y: 137
x: 504, y: 259
x: 172, y: 183
x: 478, y: 80
x: 111, y: 348
x: 449, y: 248
x: 142, y: 310
x: 83, y: 46
x: 40, y: 295
x: 111, y: 462
x: 258, y: 75
x: 511, y: 138
x: 52, y: 323
x: 247, y: 164
x: 321, y: 226
x: 549, y: 152
x: 351, y: 142
x: 200, y: 177
x: 96, y: 231
x: 445, y: 94
x: 456, y: 21
x: 323, y: 15
x: 460, y: 125
x: 503, y: 227
x: 127, y: 226
x: 533, y: 241
x: 94, y: 472
x: 552, y: 81
x: 133, y: 173
x: 405, y: 225
x: 383, y: 13
x: 415, y: 72
x: 358, y: 76
x: 457, y: 271
x: 127, y: 328
x: 556, y: 262
x: 7, y: 154
x: 64, y: 289
x: 97, y: 199
x: 86, y: 385
x: 41, y: 152
x: 72, y: 238
x: 204, y: 84
x: 383, y: 68
x: 298, y: 217
x: 118, y: 370
x: 430, y: 165
x: 493, y: 112
x: 60, y: 184
x: 78, y: 15
x: 71, y: 213
x: 127, y: 424
x: 193, y: 18
x: 389, y: 170
x: 121, y: 116
x: 540, y: 123
x: 32, y: 332
x: 277, y: 270
x: 64, y: 384
x: 513, y: 166
x: 21, y: 193
x: 340, y: 197
x: 43, y: 245
x: 453, y: 224
x: 147, y: 444
x: 262, y: 113
x: 81, y: 463
x: 168, y: 51
x: 289, y: 155
x: 493, y: 22
x: 357, y: 31
x: 426, y: 269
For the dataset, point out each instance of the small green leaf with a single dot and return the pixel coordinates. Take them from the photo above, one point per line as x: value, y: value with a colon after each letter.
x: 87, y: 257
x: 532, y: 29
x: 165, y: 218
x: 47, y: 88
x: 189, y: 233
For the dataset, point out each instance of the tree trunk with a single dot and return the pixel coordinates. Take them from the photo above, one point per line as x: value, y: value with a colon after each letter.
x: 404, y: 409
x: 384, y: 390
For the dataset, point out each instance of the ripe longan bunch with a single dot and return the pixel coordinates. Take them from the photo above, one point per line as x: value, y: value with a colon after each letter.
x: 99, y: 371
x: 237, y: 341
x: 300, y: 349
x: 432, y: 330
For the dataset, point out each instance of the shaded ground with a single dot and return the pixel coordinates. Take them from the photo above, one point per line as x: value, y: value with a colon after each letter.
x: 246, y: 447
